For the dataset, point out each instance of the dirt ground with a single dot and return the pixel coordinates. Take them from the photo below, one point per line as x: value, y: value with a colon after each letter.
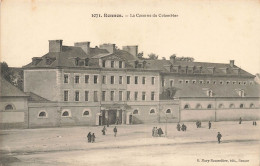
x: 133, y: 146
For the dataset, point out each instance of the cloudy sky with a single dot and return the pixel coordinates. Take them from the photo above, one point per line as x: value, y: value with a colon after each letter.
x: 209, y: 31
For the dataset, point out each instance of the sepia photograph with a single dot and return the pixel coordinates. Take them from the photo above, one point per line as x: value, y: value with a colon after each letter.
x: 130, y: 83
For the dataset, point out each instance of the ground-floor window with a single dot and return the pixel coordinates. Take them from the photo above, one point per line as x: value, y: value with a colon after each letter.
x: 198, y: 106
x: 252, y: 105
x: 152, y: 111
x: 66, y: 113
x: 220, y: 106
x: 209, y: 106
x: 186, y: 106
x: 42, y: 114
x: 86, y: 112
x: 242, y: 106
x: 168, y: 111
x: 231, y: 106
x: 135, y: 111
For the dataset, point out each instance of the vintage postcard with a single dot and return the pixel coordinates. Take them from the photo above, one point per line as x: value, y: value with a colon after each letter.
x: 130, y: 83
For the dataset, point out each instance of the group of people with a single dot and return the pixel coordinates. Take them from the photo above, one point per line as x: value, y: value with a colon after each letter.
x: 91, y: 137
x: 157, y: 132
x: 254, y: 123
x: 182, y: 127
x: 104, y: 131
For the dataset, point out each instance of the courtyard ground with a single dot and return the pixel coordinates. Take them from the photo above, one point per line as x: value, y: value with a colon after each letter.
x: 133, y: 146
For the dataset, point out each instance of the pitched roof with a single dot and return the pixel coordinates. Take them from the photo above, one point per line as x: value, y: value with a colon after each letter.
x: 34, y: 97
x: 9, y: 90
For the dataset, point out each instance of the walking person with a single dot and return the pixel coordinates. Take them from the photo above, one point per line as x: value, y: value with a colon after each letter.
x: 178, y: 127
x: 89, y: 137
x: 115, y: 131
x: 160, y: 132
x: 219, y: 137
x: 104, y: 130
x: 240, y: 120
x: 93, y: 138
x: 209, y: 124
x: 183, y: 127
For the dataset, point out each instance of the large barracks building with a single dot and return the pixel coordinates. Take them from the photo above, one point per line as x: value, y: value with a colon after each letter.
x: 80, y: 85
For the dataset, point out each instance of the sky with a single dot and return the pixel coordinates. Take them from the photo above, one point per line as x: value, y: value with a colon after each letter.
x: 209, y: 31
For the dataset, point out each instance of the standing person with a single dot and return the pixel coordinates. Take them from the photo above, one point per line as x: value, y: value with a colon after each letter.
x: 89, y: 137
x: 178, y: 127
x: 153, y: 131
x: 219, y: 137
x: 115, y: 131
x: 185, y: 127
x: 107, y: 122
x: 209, y: 124
x: 240, y: 120
x: 156, y: 132
x: 197, y: 124
x: 182, y: 127
x: 104, y: 130
x: 160, y: 132
x: 93, y: 138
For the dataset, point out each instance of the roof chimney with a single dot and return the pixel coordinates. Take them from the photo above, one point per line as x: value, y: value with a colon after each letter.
x: 232, y: 63
x: 55, y: 45
x: 173, y: 58
x: 84, y: 45
x: 109, y: 47
x: 131, y: 50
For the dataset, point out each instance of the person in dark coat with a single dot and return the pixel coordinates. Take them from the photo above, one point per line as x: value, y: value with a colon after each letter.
x: 240, y: 120
x: 107, y: 123
x: 197, y: 124
x: 153, y: 131
x: 178, y: 127
x: 209, y: 124
x: 183, y: 127
x: 160, y: 132
x: 89, y: 137
x: 104, y: 130
x: 115, y: 131
x: 93, y: 138
x: 255, y: 123
x: 219, y: 137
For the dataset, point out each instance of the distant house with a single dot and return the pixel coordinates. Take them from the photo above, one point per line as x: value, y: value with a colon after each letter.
x: 13, y: 106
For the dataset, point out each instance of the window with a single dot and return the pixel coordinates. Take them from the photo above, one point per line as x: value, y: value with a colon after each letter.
x: 77, y: 96
x: 120, y: 79
x: 9, y: 107
x: 210, y: 93
x: 239, y: 82
x: 187, y: 81
x: 234, y: 82
x: 227, y: 82
x: 251, y: 83
x: 136, y: 96
x: 252, y: 105
x: 208, y: 81
x: 143, y: 80
x: 241, y: 106
x: 241, y: 93
x: 201, y: 81
x: 194, y: 81
x: 231, y: 106
x: 112, y: 79
x: 198, y: 106
x: 220, y: 106
x: 95, y: 79
x: 66, y: 78
x: 65, y: 113
x: 136, y: 79
x: 152, y: 96
x: 128, y: 95
x: 120, y: 64
x: 153, y: 80
x: 120, y: 95
x: 103, y: 63
x: 104, y: 79
x: 77, y: 61
x: 209, y: 106
x: 112, y: 64
x: 76, y: 79
x: 42, y: 114
x: 143, y: 96
x: 86, y: 62
x: 86, y: 79
x: 186, y: 106
x: 244, y: 82
x: 168, y: 111
x: 214, y: 82
x: 135, y: 112
x: 86, y: 95
x: 86, y: 113
x: 128, y: 79
x: 171, y: 83
x: 180, y: 81
x: 66, y: 95
x: 103, y: 95
x: 95, y: 96
x: 112, y: 93
x: 152, y: 111
x: 221, y: 82
x: 163, y: 82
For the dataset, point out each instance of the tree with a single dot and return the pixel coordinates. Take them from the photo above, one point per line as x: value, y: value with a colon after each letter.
x: 6, y: 73
x: 152, y: 56
x: 187, y: 59
x: 140, y: 55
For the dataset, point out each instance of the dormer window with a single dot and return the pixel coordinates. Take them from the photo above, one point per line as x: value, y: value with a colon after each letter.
x: 103, y: 63
x: 120, y: 64
x: 112, y: 64
x: 201, y: 81
x: 209, y: 93
x: 241, y: 93
x: 86, y: 62
x: 77, y: 61
x: 227, y: 82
